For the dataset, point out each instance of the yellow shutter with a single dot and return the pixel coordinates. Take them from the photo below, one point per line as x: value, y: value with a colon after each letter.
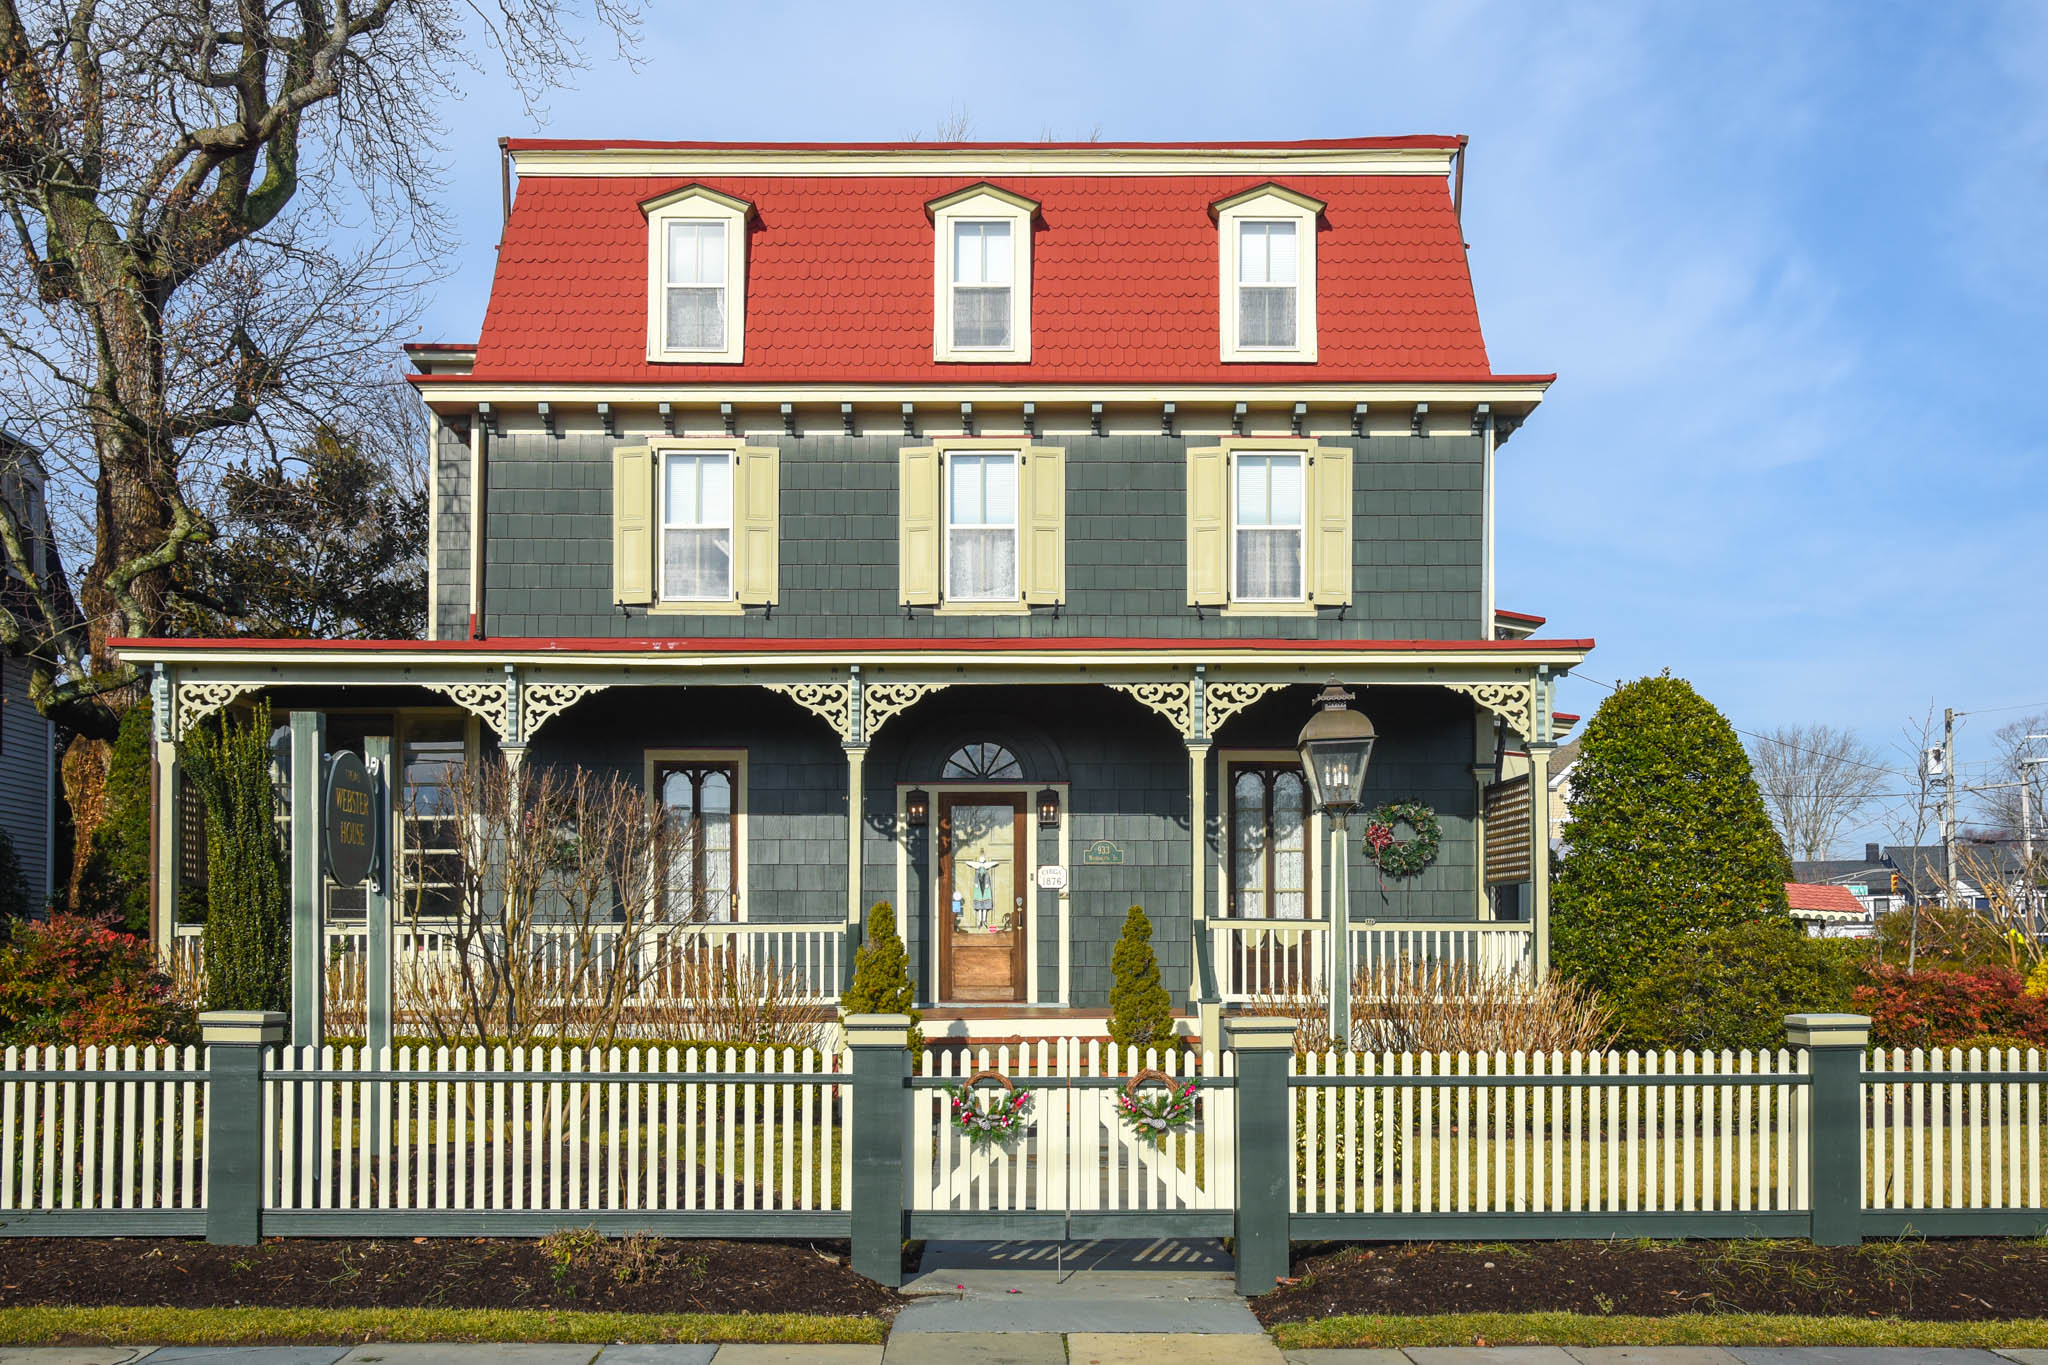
x: 1208, y: 526
x: 1329, y: 512
x: 756, y: 525
x: 917, y: 525
x: 1042, y: 513
x: 632, y: 524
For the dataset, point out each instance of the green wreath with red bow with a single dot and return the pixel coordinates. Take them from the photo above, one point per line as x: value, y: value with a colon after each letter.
x: 1398, y: 857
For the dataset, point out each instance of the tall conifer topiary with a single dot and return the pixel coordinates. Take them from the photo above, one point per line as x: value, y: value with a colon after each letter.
x: 881, y: 975
x: 248, y: 918
x: 1140, y: 1011
x: 1668, y: 836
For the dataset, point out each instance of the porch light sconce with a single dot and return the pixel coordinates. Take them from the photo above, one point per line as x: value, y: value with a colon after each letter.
x: 1048, y: 809
x: 917, y: 807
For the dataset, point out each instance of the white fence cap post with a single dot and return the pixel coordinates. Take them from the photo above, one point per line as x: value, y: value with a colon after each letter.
x: 241, y: 1026
x: 1260, y: 1033
x: 1827, y: 1030
x: 877, y: 1030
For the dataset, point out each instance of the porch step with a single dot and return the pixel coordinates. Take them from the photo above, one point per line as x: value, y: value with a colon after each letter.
x: 1125, y: 1285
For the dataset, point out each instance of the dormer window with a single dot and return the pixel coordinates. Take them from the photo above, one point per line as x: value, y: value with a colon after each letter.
x: 981, y: 304
x: 697, y: 277
x: 1267, y: 250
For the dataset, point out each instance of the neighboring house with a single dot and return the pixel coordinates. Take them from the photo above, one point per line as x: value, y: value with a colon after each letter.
x: 1874, y: 880
x: 28, y: 758
x: 971, y: 527
x: 1828, y: 911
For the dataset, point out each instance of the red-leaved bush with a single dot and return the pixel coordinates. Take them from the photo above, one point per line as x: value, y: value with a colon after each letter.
x: 74, y: 980
x: 1939, y: 1007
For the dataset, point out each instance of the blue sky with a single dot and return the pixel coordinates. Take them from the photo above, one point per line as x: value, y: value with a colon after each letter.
x: 1787, y: 260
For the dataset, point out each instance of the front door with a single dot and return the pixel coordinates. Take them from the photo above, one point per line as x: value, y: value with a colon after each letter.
x: 983, y: 879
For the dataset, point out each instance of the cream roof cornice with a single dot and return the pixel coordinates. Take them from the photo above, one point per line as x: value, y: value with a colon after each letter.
x: 1263, y: 162
x: 1509, y: 389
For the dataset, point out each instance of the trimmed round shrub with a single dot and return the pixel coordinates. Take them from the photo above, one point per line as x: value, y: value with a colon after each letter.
x: 1731, y: 988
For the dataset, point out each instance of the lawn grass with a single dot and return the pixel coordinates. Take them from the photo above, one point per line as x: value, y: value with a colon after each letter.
x: 282, y: 1326
x: 1688, y: 1329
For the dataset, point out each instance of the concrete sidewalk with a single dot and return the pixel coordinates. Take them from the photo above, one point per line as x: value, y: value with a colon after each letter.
x: 1006, y: 1348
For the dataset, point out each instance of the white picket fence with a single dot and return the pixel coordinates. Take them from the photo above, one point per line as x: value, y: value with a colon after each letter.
x: 556, y: 1130
x: 1076, y: 1153
x: 1958, y: 1143
x: 1529, y: 1132
x: 102, y: 1128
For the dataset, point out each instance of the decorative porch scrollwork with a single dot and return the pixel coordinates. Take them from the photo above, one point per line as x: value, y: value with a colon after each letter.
x: 196, y: 701
x: 542, y: 702
x: 832, y: 702
x: 1221, y: 701
x: 1173, y: 700
x: 1513, y: 702
x: 489, y: 702
x: 883, y: 702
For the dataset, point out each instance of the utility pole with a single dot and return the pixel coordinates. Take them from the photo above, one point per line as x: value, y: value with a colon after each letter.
x: 1948, y: 803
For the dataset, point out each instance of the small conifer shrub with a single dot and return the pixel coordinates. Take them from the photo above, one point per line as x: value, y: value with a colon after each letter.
x: 248, y: 882
x: 1140, y: 1011
x: 881, y: 975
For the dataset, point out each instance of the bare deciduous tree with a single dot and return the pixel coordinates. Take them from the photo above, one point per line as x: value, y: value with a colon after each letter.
x: 180, y: 278
x: 1815, y: 779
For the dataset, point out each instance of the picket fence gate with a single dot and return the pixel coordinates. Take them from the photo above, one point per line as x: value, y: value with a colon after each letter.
x: 246, y: 1138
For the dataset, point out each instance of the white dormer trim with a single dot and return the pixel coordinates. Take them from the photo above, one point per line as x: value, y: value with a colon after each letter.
x: 697, y: 203
x: 1269, y: 203
x: 982, y: 203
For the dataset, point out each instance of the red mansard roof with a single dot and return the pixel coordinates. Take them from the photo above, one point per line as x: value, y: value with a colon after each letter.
x: 840, y: 278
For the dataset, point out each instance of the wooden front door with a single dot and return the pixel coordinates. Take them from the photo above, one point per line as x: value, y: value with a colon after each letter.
x: 984, y: 887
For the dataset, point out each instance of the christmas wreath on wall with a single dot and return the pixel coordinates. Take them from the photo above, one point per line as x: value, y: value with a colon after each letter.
x: 993, y: 1121
x: 1398, y: 857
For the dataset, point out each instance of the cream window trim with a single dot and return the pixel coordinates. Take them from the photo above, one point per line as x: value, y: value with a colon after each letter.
x: 1040, y: 522
x: 753, y: 529
x: 983, y: 204
x: 1328, y: 491
x: 1301, y: 603
x: 695, y: 203
x: 653, y: 758
x: 1268, y: 204
x: 1218, y: 907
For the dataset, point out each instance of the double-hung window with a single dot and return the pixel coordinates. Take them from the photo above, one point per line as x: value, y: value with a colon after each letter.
x: 984, y: 281
x: 695, y: 288
x: 696, y: 276
x: 981, y: 526
x: 1267, y: 526
x: 696, y: 526
x: 700, y: 800
x: 1268, y: 284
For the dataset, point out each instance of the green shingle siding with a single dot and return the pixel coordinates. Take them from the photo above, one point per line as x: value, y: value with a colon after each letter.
x: 1418, y: 516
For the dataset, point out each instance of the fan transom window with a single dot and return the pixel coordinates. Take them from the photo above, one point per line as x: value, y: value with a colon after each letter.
x: 982, y: 763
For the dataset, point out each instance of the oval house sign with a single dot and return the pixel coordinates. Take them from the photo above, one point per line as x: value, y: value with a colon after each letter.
x: 348, y: 808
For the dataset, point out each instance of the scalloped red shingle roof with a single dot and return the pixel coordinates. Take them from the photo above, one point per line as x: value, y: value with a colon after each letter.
x: 840, y: 283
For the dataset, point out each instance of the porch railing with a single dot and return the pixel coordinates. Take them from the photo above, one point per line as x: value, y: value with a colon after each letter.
x: 810, y: 953
x: 1257, y: 958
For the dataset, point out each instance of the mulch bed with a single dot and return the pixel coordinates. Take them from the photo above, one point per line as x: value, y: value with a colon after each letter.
x: 567, y: 1271
x: 1951, y: 1281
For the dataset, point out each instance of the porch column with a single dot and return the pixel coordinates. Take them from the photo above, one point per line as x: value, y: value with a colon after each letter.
x: 163, y: 828
x: 309, y: 950
x: 1539, y: 854
x: 856, y: 755
x: 1198, y: 862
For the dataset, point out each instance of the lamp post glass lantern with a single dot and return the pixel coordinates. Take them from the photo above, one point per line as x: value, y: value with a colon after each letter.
x: 1335, y: 745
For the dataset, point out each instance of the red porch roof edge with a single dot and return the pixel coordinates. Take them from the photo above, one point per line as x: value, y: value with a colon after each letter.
x: 1220, y: 386
x: 1520, y: 615
x: 756, y: 644
x: 1414, y: 141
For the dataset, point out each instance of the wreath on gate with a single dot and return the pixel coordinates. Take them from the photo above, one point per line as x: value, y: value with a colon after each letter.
x: 1154, y: 1106
x: 993, y: 1122
x: 1403, y: 857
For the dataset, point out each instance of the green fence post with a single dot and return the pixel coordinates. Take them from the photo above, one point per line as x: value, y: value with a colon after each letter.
x: 1834, y: 1045
x: 1265, y: 1153
x: 309, y: 942
x: 880, y: 1044
x: 236, y: 1041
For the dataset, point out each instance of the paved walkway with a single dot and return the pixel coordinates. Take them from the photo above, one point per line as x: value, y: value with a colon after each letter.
x: 998, y: 1348
x: 1168, y: 1286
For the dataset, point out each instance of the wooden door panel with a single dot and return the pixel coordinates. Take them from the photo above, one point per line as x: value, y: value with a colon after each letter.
x: 984, y: 896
